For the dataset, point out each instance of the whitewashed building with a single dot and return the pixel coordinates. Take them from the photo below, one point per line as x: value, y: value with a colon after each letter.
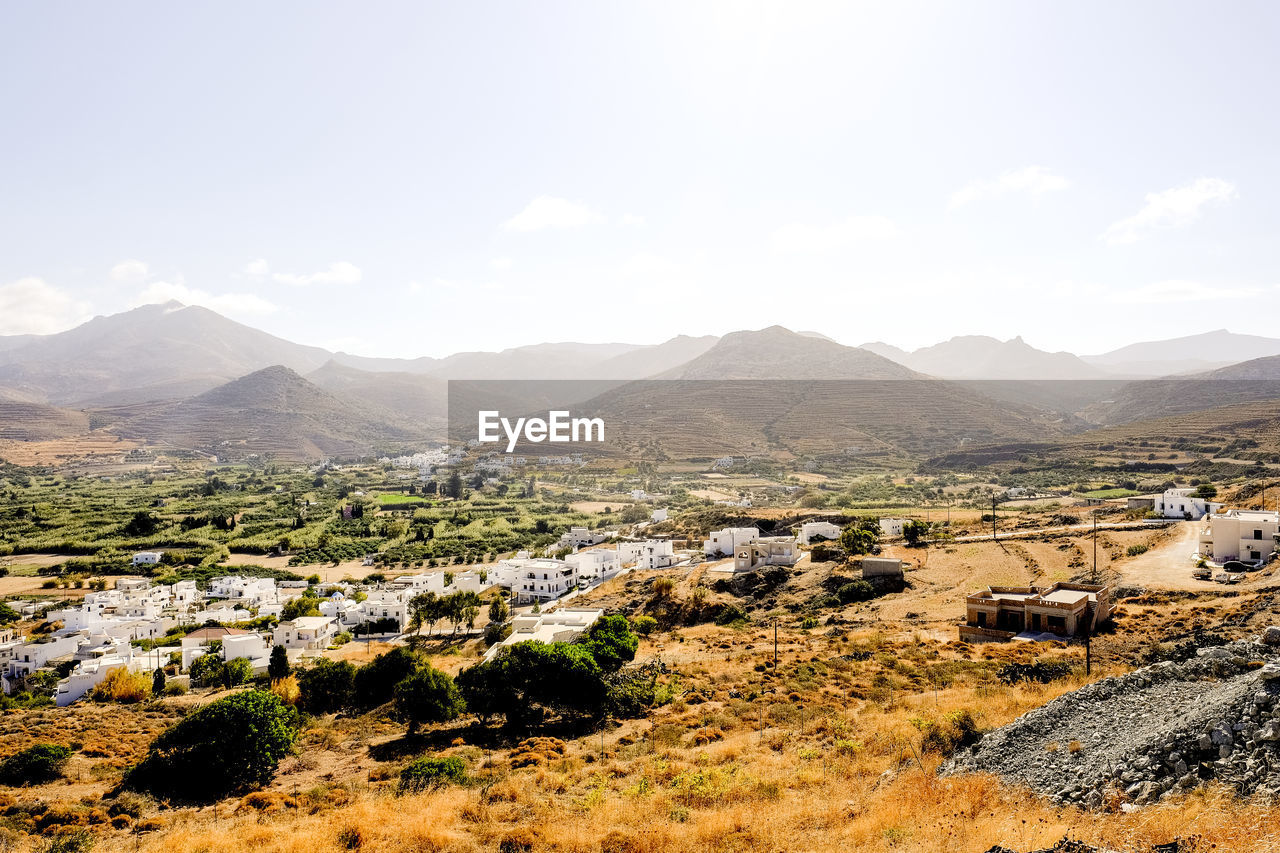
x: 557, y: 626
x: 649, y: 554
x: 812, y: 531
x: 1240, y: 534
x: 1183, y: 503
x: 725, y: 543
x: 309, y: 633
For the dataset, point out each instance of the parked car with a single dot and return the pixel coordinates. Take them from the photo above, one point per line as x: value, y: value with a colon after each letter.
x: 1203, y: 573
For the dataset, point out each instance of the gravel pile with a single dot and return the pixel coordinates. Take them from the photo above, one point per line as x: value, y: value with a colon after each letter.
x: 1165, y: 728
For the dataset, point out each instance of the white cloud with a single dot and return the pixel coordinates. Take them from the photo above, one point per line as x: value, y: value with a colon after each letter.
x: 551, y: 212
x: 131, y: 270
x: 243, y: 304
x: 1172, y: 208
x: 32, y: 306
x: 801, y: 238
x: 502, y: 263
x: 631, y: 219
x: 338, y: 272
x: 1181, y: 290
x: 257, y: 267
x: 1030, y: 180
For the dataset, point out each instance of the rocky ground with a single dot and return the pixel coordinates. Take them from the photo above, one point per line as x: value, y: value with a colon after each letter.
x: 1067, y: 845
x: 1136, y: 738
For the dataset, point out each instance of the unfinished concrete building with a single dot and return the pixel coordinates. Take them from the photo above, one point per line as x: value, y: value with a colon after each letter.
x: 1064, y: 609
x: 769, y: 551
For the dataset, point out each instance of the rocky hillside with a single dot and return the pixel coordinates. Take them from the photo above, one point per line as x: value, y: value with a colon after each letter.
x: 1169, y: 727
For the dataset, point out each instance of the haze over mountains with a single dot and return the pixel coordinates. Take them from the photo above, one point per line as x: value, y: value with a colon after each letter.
x: 188, y: 377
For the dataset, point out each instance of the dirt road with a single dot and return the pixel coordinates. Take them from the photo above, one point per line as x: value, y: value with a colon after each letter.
x: 1169, y: 564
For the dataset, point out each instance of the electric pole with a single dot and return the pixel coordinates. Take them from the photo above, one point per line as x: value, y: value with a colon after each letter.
x: 993, y: 516
x: 1095, y: 546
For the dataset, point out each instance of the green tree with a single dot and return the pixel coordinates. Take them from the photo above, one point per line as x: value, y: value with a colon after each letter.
x: 278, y: 665
x: 157, y: 682
x: 914, y: 531
x: 428, y: 696
x: 1207, y: 491
x: 532, y: 680
x: 375, y: 682
x: 307, y: 604
x: 499, y: 612
x: 225, y: 747
x: 327, y: 686
x: 206, y: 670
x: 611, y: 642
x: 857, y: 540
x: 8, y: 614
x: 143, y: 523
x: 235, y: 672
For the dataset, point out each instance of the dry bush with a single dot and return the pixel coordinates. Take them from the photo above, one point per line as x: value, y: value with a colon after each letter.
x: 537, y: 751
x: 123, y: 686
x: 286, y: 689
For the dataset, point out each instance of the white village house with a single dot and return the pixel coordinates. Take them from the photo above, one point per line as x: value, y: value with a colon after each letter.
x: 1183, y: 503
x: 813, y: 531
x: 726, y: 542
x: 1240, y: 534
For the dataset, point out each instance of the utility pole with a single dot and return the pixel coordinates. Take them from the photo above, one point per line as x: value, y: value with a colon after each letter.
x: 1095, y: 546
x: 993, y: 516
x: 775, y: 644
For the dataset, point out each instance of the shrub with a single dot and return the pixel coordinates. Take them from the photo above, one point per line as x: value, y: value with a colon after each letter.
x: 663, y: 587
x: 644, y: 625
x: 432, y: 773
x: 1040, y: 672
x: 955, y: 730
x: 205, y: 670
x: 428, y: 696
x: 611, y: 642
x: 286, y: 689
x: 856, y: 591
x: 376, y: 681
x: 224, y: 747
x: 120, y: 685
x: 35, y: 764
x: 327, y: 686
x: 496, y: 632
x: 235, y: 671
x: 532, y: 679
x: 730, y: 615
x: 1135, y: 550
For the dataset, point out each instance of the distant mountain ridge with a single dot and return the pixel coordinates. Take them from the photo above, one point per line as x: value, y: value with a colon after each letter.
x: 983, y: 357
x: 189, y: 377
x: 779, y: 353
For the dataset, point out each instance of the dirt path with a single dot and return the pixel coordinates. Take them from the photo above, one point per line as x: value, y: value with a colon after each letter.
x: 1168, y: 565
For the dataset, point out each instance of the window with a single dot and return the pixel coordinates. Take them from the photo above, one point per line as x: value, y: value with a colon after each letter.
x: 1257, y: 534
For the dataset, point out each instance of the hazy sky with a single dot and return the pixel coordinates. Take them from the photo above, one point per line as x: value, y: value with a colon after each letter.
x: 416, y: 179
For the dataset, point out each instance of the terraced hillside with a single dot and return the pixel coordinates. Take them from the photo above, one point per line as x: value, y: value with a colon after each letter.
x: 271, y: 412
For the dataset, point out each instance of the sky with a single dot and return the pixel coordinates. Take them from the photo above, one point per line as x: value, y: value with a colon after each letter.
x: 413, y: 178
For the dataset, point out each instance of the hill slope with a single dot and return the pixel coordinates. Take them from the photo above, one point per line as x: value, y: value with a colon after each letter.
x: 275, y: 412
x: 1190, y: 354
x: 152, y: 352
x: 778, y: 353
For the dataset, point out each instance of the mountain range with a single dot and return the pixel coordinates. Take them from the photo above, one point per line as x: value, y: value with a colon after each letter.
x: 187, y: 377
